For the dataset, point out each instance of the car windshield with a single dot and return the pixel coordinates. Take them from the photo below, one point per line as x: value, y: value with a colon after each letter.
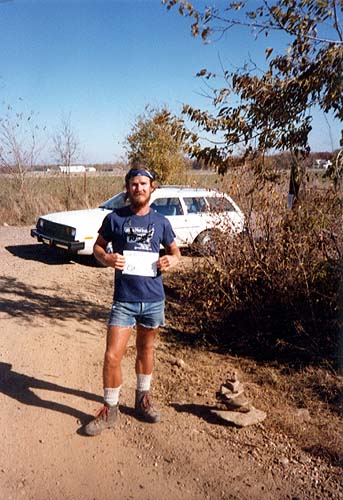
x: 117, y: 201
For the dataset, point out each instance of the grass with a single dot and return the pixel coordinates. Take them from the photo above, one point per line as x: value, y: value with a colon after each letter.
x: 52, y: 193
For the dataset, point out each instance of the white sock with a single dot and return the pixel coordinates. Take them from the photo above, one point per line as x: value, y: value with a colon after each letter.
x: 111, y: 395
x: 143, y: 382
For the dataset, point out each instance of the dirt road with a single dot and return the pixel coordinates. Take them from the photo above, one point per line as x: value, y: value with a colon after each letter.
x: 53, y: 315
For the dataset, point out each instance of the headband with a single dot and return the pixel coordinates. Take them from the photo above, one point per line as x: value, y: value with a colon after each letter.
x: 140, y: 171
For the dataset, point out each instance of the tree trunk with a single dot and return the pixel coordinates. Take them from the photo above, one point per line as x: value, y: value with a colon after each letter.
x: 294, y: 183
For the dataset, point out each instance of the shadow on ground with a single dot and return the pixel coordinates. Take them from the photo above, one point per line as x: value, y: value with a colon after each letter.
x: 51, y: 256
x: 201, y: 411
x: 28, y: 302
x: 21, y: 388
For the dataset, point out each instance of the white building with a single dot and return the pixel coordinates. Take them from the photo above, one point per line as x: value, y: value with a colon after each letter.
x: 72, y: 169
x: 75, y: 169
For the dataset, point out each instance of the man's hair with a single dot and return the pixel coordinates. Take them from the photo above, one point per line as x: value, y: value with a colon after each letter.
x: 139, y: 169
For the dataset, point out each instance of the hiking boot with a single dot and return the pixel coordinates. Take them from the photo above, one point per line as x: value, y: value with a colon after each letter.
x: 145, y: 408
x: 104, y: 419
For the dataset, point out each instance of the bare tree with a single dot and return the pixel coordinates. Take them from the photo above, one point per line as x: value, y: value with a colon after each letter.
x: 66, y: 144
x: 66, y: 150
x: 19, y: 145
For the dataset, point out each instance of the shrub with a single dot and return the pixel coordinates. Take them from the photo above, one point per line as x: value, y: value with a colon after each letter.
x: 275, y: 290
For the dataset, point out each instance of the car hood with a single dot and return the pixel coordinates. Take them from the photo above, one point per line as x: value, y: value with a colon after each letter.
x: 78, y: 218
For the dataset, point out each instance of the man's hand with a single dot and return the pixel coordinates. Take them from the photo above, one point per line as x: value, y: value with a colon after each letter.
x: 115, y: 260
x: 166, y: 262
x: 171, y: 258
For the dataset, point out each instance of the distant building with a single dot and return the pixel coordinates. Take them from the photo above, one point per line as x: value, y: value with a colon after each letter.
x: 75, y: 169
x: 325, y: 164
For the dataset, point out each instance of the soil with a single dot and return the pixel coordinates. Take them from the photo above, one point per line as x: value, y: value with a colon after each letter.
x: 53, y: 314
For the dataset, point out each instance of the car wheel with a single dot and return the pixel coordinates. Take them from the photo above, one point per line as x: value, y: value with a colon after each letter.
x: 205, y: 243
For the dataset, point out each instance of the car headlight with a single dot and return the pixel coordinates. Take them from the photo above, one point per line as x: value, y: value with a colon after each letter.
x: 70, y: 231
x: 40, y: 223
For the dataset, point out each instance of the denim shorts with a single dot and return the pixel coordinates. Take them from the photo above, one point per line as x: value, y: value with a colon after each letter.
x: 147, y: 314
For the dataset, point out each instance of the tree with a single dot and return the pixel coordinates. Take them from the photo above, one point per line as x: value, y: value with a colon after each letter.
x: 19, y: 145
x: 160, y: 140
x: 66, y: 151
x: 65, y: 143
x: 274, y: 106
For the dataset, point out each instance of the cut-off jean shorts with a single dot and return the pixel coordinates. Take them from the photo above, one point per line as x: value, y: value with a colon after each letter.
x: 147, y: 314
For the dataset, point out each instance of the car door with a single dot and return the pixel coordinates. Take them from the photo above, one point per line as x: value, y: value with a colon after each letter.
x: 197, y: 216
x: 172, y: 208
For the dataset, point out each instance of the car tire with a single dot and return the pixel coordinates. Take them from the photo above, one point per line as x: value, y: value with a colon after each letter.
x: 205, y: 243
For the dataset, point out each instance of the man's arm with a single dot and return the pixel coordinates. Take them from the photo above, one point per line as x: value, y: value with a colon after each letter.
x: 115, y: 260
x: 171, y: 258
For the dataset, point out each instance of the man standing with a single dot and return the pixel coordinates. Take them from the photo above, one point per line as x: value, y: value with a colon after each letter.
x: 136, y: 233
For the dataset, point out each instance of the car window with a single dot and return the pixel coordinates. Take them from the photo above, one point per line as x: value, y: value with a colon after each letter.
x: 196, y: 205
x: 117, y: 201
x: 167, y: 206
x: 220, y: 204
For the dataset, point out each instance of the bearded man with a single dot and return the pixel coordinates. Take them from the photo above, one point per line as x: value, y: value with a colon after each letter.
x: 137, y: 233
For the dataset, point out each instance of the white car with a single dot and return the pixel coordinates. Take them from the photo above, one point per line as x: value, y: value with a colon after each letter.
x: 195, y: 215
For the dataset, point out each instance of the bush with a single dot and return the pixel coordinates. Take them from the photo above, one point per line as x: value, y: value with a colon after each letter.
x: 275, y: 290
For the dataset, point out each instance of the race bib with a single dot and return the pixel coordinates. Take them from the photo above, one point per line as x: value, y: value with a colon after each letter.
x: 140, y: 263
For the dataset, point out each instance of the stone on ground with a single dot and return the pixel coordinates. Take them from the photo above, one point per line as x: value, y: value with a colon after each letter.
x: 239, y: 419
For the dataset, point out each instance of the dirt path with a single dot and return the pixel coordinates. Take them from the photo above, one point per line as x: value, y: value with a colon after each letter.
x: 52, y: 320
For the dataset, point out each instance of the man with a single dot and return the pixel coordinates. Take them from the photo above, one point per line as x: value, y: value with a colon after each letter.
x: 136, y: 233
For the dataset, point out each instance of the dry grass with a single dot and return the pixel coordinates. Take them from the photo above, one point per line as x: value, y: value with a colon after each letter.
x: 52, y: 193
x: 44, y: 194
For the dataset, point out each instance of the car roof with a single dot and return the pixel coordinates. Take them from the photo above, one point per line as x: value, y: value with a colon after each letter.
x: 169, y: 190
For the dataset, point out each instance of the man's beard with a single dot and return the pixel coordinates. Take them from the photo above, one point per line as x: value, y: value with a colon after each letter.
x: 139, y: 201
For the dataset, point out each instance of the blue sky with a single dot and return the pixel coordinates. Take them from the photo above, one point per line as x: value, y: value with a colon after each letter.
x: 103, y: 61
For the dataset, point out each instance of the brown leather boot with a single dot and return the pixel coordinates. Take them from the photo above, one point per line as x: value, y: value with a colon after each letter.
x: 145, y: 408
x: 104, y: 419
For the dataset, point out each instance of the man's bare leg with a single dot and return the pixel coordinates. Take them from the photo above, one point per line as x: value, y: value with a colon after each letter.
x: 116, y: 342
x: 144, y: 367
x: 145, y: 349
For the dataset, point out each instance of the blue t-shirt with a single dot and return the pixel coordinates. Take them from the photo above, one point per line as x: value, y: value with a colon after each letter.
x: 144, y: 233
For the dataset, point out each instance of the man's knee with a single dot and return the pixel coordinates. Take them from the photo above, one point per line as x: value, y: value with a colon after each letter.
x: 145, y: 343
x: 144, y: 350
x: 112, y: 358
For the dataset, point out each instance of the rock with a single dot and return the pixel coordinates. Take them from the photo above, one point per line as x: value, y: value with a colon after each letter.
x: 235, y: 401
x: 239, y: 419
x: 224, y: 389
x: 304, y: 459
x: 232, y: 375
x: 180, y: 363
x: 234, y: 386
x: 302, y: 414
